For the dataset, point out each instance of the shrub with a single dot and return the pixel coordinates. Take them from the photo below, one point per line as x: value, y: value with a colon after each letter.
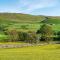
x: 13, y: 35
x: 29, y: 37
x: 32, y: 37
x: 58, y: 35
x: 22, y: 36
x: 46, y: 32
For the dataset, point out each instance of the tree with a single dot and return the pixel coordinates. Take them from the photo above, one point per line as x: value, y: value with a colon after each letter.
x: 58, y: 35
x: 13, y: 35
x: 2, y: 27
x: 32, y: 37
x: 22, y: 36
x: 46, y: 32
x: 55, y: 37
x: 29, y: 37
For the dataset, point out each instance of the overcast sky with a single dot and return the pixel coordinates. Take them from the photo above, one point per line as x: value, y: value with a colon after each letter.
x: 34, y: 7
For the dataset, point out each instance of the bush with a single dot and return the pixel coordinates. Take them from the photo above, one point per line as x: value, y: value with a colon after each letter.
x: 13, y: 35
x: 33, y: 37
x: 58, y: 35
x: 46, y: 32
x: 29, y: 37
x: 22, y: 36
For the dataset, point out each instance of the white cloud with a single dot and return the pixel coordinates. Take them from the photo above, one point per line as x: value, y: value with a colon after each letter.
x: 37, y: 4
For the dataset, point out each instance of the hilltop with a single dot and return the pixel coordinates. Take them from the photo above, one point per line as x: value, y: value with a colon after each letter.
x: 18, y: 17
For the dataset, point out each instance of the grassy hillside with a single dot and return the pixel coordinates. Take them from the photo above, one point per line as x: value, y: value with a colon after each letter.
x: 16, y: 20
x: 21, y: 22
x: 26, y: 22
x: 16, y: 17
x: 30, y: 22
x: 52, y: 20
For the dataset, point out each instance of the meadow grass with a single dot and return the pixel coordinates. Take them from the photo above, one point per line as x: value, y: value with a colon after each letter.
x: 47, y: 52
x: 13, y: 43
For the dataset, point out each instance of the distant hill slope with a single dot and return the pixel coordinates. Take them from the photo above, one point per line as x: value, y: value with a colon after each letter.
x: 17, y: 17
x: 52, y: 20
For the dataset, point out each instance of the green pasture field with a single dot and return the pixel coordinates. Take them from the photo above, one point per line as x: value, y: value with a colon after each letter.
x: 34, y: 26
x: 29, y: 26
x: 47, y: 52
x: 24, y: 27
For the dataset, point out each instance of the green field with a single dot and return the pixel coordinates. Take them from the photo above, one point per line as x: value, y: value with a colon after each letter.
x: 47, y: 52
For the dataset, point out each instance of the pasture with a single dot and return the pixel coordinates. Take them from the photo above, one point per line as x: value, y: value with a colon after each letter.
x: 47, y: 52
x: 25, y: 27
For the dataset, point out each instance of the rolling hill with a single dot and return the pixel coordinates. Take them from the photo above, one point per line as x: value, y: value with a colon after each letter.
x: 52, y: 20
x: 17, y: 17
x: 29, y: 22
x: 26, y: 22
